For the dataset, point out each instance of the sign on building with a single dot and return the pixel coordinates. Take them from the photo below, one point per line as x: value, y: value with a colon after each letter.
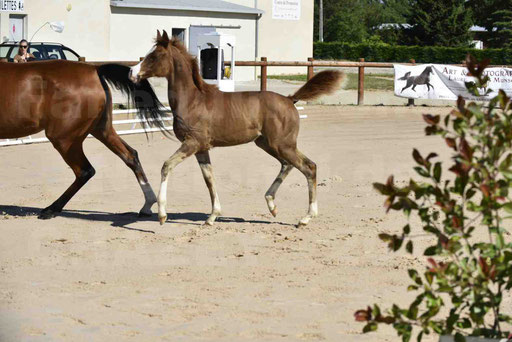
x: 286, y: 9
x: 12, y: 6
x: 447, y: 82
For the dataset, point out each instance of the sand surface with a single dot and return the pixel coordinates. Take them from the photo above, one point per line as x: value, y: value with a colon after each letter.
x: 99, y: 273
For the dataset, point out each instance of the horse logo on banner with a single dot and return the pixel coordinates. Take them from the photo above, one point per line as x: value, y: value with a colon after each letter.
x: 421, y: 79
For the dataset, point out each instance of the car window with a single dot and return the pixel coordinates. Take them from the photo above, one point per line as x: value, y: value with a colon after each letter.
x: 37, y: 51
x: 14, y: 52
x: 54, y: 52
x: 70, y: 55
x: 4, y: 50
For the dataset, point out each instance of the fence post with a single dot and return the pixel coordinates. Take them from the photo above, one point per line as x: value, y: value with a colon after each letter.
x: 263, y: 84
x: 360, y: 84
x: 81, y: 59
x: 410, y: 102
x: 310, y: 68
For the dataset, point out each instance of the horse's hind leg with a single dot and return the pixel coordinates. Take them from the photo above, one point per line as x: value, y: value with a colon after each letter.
x: 308, y: 168
x: 203, y: 159
x: 130, y: 157
x: 285, y: 170
x: 74, y: 156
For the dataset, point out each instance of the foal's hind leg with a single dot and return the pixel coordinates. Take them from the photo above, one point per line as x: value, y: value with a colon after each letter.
x: 308, y: 168
x: 206, y: 168
x: 130, y: 157
x: 187, y: 149
x: 74, y: 156
x: 285, y: 170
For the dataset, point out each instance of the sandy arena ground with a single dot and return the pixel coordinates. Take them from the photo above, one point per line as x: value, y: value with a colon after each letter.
x: 98, y: 273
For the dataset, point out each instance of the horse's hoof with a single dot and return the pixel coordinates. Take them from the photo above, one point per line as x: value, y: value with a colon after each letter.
x: 274, y: 212
x: 47, y: 214
x: 162, y: 219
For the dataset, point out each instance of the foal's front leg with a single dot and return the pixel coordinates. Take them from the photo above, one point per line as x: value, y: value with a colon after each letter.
x: 186, y: 150
x: 203, y: 159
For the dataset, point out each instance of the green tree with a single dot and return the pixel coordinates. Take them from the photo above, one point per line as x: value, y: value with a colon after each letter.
x: 496, y: 17
x: 355, y: 21
x: 440, y: 23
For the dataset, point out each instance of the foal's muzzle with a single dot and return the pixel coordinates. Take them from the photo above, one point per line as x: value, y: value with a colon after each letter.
x: 133, y: 78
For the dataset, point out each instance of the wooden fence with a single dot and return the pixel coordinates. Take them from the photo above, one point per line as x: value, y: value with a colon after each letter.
x: 263, y: 64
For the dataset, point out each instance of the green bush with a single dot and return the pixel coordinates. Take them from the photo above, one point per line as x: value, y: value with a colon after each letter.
x: 467, y: 212
x: 402, y: 54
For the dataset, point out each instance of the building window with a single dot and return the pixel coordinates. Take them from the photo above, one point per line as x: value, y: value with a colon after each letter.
x: 180, y: 33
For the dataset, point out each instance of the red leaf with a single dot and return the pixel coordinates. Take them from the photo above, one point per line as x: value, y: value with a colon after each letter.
x: 451, y: 143
x: 363, y: 315
x: 486, y: 190
x: 431, y: 119
x: 465, y: 150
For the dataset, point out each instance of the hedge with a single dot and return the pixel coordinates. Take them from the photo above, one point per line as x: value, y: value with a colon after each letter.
x: 402, y: 54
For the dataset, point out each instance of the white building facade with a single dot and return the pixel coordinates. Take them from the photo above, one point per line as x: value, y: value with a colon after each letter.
x: 123, y: 30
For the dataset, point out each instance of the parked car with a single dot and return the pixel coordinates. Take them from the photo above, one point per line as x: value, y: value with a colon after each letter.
x: 41, y: 51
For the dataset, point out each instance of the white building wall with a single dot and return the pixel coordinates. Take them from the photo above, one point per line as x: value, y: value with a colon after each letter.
x: 87, y: 24
x: 284, y: 40
x: 133, y: 31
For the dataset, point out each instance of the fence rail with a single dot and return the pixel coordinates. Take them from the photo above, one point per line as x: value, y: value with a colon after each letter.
x: 311, y: 63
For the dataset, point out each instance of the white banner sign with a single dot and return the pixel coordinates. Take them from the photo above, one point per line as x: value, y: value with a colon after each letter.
x: 446, y: 82
x: 12, y: 6
x: 286, y: 9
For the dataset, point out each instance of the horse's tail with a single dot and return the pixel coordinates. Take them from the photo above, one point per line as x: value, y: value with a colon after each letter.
x: 324, y: 82
x: 406, y: 76
x: 140, y: 95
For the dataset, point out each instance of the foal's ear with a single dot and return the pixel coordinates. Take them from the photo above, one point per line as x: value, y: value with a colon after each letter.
x: 158, y: 36
x: 165, y: 37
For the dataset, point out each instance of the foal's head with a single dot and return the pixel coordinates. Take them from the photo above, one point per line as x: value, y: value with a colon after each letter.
x: 157, y: 62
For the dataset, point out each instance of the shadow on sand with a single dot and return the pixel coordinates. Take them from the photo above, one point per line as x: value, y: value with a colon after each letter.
x: 122, y: 220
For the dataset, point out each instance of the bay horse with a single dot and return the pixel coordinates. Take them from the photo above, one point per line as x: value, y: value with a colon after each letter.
x: 69, y: 101
x: 421, y: 79
x: 204, y: 117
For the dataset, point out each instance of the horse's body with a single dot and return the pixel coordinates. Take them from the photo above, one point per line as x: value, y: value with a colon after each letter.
x: 421, y: 79
x: 69, y: 100
x: 205, y: 117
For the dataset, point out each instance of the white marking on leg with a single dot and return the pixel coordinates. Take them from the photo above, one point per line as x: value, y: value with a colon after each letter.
x: 207, y: 171
x: 313, y: 209
x: 162, y: 202
x: 149, y: 197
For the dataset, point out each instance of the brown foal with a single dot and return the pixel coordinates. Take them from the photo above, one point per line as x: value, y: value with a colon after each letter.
x: 205, y: 117
x: 69, y: 100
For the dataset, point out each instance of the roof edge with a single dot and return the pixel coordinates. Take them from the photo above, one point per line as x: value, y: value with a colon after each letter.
x: 249, y: 10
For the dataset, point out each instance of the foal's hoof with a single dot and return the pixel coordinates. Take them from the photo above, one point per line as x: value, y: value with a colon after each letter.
x: 47, y: 213
x: 274, y: 212
x: 162, y: 219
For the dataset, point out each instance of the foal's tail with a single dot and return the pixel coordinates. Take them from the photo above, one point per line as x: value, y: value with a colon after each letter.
x: 323, y: 83
x: 140, y: 95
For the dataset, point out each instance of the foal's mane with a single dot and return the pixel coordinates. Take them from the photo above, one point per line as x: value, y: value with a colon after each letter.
x: 192, y: 63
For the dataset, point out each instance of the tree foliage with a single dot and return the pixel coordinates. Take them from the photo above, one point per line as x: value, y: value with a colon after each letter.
x: 440, y: 23
x: 496, y: 17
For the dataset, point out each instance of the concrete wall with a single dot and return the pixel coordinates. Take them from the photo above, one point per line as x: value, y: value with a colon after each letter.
x: 284, y: 40
x: 133, y: 31
x: 87, y: 24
